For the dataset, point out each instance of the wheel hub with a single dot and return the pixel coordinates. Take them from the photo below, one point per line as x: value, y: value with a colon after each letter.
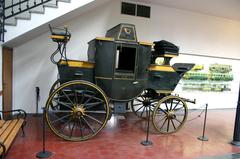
x: 171, y: 115
x: 146, y: 102
x: 78, y: 111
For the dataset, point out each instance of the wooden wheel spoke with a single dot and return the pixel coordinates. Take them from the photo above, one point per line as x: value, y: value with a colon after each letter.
x: 151, y: 109
x: 143, y: 111
x: 176, y: 105
x: 178, y: 109
x: 91, y: 117
x: 83, y: 95
x: 59, y: 119
x: 76, y: 96
x: 139, y: 100
x: 93, y: 97
x: 61, y: 96
x: 89, y: 99
x: 88, y: 125
x: 90, y: 105
x: 171, y: 104
x: 67, y: 97
x: 163, y: 123
x: 178, y: 120
x: 95, y: 112
x: 173, y: 124
x: 64, y: 125
x: 142, y: 97
x: 62, y: 103
x: 168, y: 123
x: 166, y: 105
x: 161, y: 119
x: 72, y: 129
x: 139, y: 108
x: 60, y: 111
x: 162, y: 110
x: 137, y: 104
x: 81, y: 126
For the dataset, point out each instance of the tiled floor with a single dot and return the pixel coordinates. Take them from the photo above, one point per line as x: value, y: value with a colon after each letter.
x: 121, y: 140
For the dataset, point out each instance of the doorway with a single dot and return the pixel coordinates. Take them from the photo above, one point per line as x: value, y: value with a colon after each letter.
x: 7, y: 74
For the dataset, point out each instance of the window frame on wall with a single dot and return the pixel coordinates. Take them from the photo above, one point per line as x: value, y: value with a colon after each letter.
x: 126, y: 7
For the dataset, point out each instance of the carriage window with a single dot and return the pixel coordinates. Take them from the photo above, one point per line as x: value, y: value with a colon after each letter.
x: 125, y: 59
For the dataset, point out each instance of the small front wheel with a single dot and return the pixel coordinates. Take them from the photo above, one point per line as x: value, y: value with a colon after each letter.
x: 170, y: 114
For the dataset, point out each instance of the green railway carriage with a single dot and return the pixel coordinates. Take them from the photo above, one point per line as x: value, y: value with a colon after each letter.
x: 220, y: 68
x: 120, y: 74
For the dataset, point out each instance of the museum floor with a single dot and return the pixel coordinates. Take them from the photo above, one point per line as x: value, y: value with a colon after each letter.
x: 121, y: 140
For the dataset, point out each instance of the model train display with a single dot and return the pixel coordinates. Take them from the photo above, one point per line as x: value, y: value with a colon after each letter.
x: 120, y: 70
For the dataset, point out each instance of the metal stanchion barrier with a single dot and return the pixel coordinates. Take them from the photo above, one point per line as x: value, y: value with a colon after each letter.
x: 37, y: 101
x: 203, y: 137
x: 147, y: 142
x: 43, y: 153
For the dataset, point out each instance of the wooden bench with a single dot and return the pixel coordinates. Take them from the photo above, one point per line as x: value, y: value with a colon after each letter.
x: 9, y: 128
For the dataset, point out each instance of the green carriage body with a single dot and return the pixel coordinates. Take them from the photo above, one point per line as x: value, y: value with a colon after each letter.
x: 124, y: 67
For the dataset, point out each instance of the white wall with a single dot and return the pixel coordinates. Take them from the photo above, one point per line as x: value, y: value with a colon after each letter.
x: 193, y: 32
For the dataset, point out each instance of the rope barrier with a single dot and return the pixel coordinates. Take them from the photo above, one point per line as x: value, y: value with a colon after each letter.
x: 199, y: 115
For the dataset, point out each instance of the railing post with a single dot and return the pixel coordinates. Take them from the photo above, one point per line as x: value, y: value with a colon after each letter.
x: 27, y: 4
x: 3, y: 31
x: 2, y: 19
x: 20, y: 6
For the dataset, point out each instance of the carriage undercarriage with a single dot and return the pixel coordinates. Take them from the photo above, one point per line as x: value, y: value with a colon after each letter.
x: 79, y: 110
x: 78, y: 105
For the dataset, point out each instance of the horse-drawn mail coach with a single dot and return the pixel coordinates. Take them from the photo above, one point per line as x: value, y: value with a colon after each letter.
x: 120, y: 73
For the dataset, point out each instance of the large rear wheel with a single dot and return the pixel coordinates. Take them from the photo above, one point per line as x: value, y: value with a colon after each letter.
x: 77, y: 110
x: 55, y: 85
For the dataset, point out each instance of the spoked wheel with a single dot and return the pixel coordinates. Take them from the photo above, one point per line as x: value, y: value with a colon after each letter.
x: 77, y: 110
x: 170, y: 114
x: 140, y: 105
x: 55, y: 85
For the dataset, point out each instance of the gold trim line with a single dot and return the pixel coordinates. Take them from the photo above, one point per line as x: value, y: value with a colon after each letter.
x: 105, y: 38
x: 161, y: 68
x: 57, y: 37
x: 81, y: 64
x: 145, y: 43
x: 169, y: 55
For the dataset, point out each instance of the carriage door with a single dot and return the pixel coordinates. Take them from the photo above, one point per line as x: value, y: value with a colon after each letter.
x: 125, y: 61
